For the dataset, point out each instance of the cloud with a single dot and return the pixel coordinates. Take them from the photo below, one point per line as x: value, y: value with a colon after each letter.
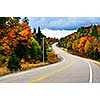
x: 56, y: 33
x: 69, y: 23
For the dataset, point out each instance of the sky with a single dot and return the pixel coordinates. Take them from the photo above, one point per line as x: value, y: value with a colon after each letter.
x: 56, y: 33
x: 62, y: 23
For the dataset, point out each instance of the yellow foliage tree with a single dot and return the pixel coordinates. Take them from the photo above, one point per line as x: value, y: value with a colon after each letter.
x: 82, y: 43
x: 86, y: 47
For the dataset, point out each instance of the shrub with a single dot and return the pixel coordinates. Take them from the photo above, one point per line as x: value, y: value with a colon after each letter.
x: 52, y: 57
x: 13, y: 64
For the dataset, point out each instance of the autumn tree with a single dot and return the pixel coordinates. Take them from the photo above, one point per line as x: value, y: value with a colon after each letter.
x: 75, y: 46
x: 82, y: 44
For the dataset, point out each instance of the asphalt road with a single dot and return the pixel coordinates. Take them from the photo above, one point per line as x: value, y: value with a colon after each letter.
x: 71, y: 69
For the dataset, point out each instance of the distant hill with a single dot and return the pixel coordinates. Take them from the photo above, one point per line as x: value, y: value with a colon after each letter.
x: 85, y: 42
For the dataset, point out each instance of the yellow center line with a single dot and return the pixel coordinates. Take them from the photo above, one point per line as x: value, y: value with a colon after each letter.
x: 52, y: 73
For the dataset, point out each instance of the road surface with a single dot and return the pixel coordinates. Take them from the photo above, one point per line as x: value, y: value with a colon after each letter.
x: 71, y: 69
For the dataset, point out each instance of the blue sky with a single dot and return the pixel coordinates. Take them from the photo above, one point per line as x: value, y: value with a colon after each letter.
x: 62, y: 23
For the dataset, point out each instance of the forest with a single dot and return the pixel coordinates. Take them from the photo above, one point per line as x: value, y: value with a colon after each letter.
x: 85, y: 42
x: 21, y: 47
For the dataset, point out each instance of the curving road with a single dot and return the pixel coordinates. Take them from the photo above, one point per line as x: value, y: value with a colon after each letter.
x: 71, y: 69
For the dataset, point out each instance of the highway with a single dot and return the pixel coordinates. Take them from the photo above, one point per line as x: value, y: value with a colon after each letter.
x: 71, y: 69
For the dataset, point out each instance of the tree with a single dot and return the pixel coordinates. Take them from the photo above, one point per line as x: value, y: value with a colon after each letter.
x: 22, y: 51
x: 39, y: 36
x: 94, y: 31
x: 75, y: 45
x: 17, y: 18
x: 12, y: 22
x: 3, y: 21
x: 26, y: 20
x: 39, y: 30
x: 82, y: 44
x: 69, y: 46
x: 13, y: 63
x: 36, y: 50
x: 87, y: 46
x: 34, y: 31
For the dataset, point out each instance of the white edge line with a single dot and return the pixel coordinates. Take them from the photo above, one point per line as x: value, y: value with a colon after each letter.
x: 90, y: 67
x: 90, y: 79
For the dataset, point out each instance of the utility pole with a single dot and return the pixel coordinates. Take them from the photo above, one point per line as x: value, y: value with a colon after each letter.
x: 43, y: 49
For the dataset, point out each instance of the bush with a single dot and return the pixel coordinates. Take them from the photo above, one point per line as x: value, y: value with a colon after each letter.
x: 52, y: 57
x: 13, y: 64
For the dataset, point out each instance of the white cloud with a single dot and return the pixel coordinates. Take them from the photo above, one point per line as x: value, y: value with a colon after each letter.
x: 57, y: 33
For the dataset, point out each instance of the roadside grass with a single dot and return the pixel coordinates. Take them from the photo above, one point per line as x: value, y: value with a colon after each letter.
x: 4, y: 71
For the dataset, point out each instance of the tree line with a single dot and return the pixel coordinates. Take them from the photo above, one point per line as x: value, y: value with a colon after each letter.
x: 85, y: 42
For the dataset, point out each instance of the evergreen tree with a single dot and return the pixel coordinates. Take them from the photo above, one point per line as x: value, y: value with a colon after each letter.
x: 95, y: 31
x: 39, y: 36
x: 34, y: 31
